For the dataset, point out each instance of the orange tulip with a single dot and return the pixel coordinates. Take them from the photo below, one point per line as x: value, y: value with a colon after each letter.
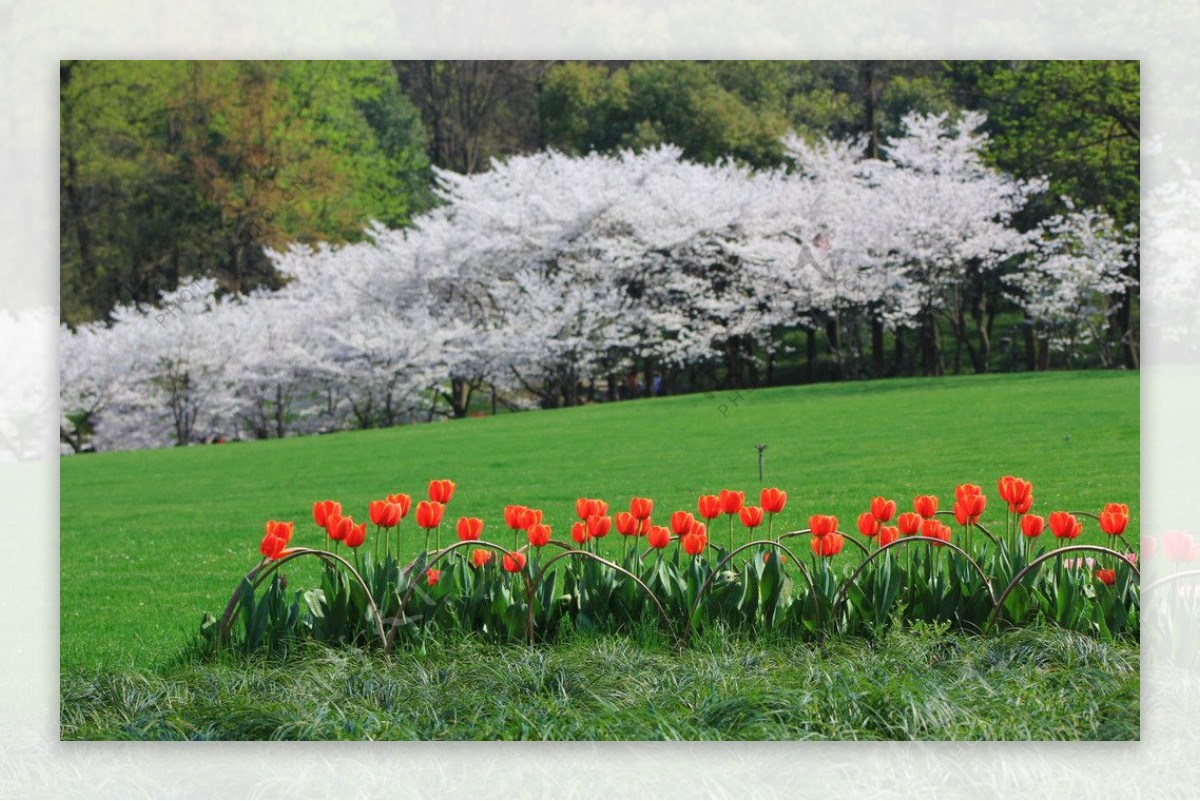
x: 752, y: 516
x: 968, y: 508
x: 966, y: 489
x: 644, y: 527
x: 882, y: 509
x: 480, y: 557
x: 323, y: 509
x: 530, y: 517
x: 1024, y: 504
x: 384, y: 514
x: 356, y: 535
x: 909, y: 523
x: 281, y: 530
x: 429, y: 514
x: 925, y: 505
x: 830, y: 545
x: 641, y: 508
x: 773, y: 500
x: 401, y: 500
x: 469, y: 528
x: 1032, y: 525
x: 822, y: 525
x: 658, y: 537
x: 699, y: 530
x: 599, y: 526
x: 514, y: 562
x: 579, y: 532
x: 539, y: 535
x: 730, y: 501
x: 681, y: 522
x: 432, y: 575
x: 627, y: 524
x: 441, y: 491
x: 1064, y: 525
x: 512, y: 516
x: 693, y: 543
x: 709, y: 507
x: 1114, y: 518
x: 868, y: 524
x: 930, y: 528
x: 601, y: 507
x: 888, y: 535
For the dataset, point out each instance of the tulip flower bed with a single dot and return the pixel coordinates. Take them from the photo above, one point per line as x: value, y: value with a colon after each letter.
x: 685, y: 571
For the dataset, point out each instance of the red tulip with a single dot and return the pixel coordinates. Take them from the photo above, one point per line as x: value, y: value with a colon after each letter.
x: 601, y: 507
x: 830, y: 545
x: 1178, y: 546
x: 752, y: 516
x: 658, y: 537
x: 882, y: 509
x: 709, y: 507
x: 930, y: 528
x: 693, y: 543
x: 585, y: 508
x: 681, y: 522
x: 1108, y: 576
x: 641, y: 508
x: 273, y: 547
x: 356, y: 535
x: 338, y: 527
x: 966, y: 489
x: 1017, y: 493
x: 283, y: 531
x: 868, y: 524
x: 773, y: 500
x: 401, y: 500
x: 730, y: 501
x: 538, y: 535
x: 579, y: 532
x: 1032, y: 525
x: 1114, y: 518
x: 530, y: 517
x: 925, y: 505
x: 480, y: 557
x: 699, y: 530
x: 323, y: 509
x: 384, y: 514
x: 432, y: 575
x: 514, y: 562
x: 908, y: 522
x: 429, y: 514
x: 441, y: 491
x: 599, y: 525
x: 627, y: 524
x: 822, y: 525
x: 469, y: 528
x: 968, y: 508
x: 1064, y: 525
x: 888, y: 535
x: 512, y: 517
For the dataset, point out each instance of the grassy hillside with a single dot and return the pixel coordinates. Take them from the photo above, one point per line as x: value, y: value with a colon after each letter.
x: 151, y: 539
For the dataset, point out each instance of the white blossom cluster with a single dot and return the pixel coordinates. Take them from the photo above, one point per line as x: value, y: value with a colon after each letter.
x: 550, y: 279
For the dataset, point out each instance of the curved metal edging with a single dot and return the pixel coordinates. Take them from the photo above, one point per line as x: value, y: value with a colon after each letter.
x: 1170, y: 579
x: 1029, y: 568
x: 845, y: 536
x: 268, y: 567
x: 897, y: 543
x: 717, y: 569
x: 596, y: 557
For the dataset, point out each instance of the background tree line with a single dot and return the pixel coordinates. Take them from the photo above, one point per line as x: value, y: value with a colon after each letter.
x: 190, y: 169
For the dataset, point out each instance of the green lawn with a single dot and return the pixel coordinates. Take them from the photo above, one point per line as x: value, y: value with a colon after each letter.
x: 151, y: 539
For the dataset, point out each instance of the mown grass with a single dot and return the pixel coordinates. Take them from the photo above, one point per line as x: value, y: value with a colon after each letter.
x: 151, y: 539
x: 914, y: 684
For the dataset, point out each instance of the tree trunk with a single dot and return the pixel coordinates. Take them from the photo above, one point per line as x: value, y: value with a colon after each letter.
x: 877, y: 355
